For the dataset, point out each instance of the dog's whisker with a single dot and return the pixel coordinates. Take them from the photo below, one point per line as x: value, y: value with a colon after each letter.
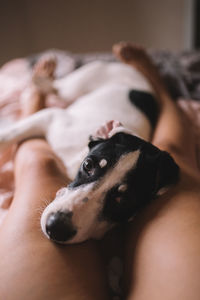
x: 43, y: 205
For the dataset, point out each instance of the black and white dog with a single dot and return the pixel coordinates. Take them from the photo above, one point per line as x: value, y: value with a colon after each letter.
x: 122, y: 172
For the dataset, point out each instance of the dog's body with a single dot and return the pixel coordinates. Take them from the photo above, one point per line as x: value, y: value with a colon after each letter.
x: 103, y: 92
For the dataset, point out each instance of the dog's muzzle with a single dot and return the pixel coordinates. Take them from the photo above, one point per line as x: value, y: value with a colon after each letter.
x: 59, y: 227
x: 70, y: 217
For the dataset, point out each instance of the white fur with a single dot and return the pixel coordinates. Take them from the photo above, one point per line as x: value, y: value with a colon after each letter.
x: 103, y: 163
x: 122, y: 188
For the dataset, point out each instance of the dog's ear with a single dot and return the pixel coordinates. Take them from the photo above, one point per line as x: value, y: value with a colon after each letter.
x: 160, y: 168
x: 167, y: 171
x: 93, y: 142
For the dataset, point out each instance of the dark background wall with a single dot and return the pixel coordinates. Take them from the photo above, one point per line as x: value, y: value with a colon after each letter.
x: 197, y: 24
x: 28, y: 26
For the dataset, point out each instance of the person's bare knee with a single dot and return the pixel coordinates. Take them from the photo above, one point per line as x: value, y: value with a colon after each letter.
x: 36, y: 156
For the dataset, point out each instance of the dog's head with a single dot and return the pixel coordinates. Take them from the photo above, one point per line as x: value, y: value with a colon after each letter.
x: 119, y: 177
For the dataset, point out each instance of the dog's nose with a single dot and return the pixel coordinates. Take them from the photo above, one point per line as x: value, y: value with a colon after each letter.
x: 59, y: 227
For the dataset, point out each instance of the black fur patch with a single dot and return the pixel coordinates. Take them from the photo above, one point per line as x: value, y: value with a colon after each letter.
x: 146, y: 103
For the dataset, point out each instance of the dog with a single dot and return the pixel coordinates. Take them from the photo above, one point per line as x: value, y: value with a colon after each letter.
x: 122, y: 172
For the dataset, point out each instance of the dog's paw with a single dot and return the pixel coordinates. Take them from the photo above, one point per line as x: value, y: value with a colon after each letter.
x: 108, y: 129
x: 103, y: 132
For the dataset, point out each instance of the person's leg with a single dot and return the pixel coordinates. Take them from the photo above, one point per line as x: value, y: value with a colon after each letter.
x: 32, y: 267
x: 173, y: 130
x: 163, y: 242
x: 162, y: 247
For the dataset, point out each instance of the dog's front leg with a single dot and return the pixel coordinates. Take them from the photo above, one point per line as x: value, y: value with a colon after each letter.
x: 34, y: 126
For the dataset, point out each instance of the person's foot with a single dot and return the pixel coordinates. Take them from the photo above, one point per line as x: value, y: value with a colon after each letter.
x: 136, y: 56
x: 127, y: 52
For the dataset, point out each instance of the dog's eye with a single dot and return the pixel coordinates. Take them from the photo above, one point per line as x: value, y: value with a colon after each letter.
x: 88, y: 165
